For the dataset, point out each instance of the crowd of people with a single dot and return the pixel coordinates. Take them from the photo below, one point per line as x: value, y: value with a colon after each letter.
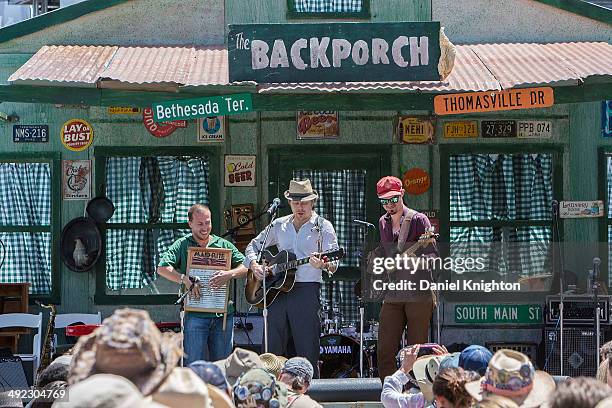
x: 128, y: 362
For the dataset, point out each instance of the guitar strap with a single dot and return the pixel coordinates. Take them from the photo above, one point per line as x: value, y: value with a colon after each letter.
x: 405, y: 229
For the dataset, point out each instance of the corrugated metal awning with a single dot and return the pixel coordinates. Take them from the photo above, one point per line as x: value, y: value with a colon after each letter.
x: 478, y: 67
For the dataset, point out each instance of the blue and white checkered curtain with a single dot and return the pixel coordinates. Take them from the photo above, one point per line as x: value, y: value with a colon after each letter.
x: 503, y: 187
x: 148, y: 190
x: 341, y: 200
x: 328, y: 6
x: 25, y: 189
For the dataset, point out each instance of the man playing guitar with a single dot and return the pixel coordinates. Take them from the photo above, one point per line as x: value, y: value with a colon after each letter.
x: 295, y: 314
x: 411, y: 309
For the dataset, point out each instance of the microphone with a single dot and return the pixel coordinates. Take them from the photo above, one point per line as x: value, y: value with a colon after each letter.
x: 364, y: 223
x: 596, y: 263
x: 274, y: 206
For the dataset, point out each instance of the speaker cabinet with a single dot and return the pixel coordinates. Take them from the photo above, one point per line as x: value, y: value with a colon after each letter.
x: 579, y: 351
x: 248, y: 332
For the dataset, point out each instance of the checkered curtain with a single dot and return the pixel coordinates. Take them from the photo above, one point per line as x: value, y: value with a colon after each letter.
x: 609, y: 215
x: 328, y: 6
x: 502, y: 187
x: 148, y: 190
x: 341, y: 200
x: 25, y: 189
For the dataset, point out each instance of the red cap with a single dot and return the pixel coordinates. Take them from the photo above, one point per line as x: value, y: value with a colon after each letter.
x: 388, y: 186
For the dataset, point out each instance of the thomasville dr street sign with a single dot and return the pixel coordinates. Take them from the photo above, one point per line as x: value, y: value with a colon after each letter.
x: 491, y: 101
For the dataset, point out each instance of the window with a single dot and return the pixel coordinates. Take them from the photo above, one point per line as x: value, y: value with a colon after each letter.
x: 29, y: 212
x: 500, y: 209
x: 607, y: 162
x: 329, y: 8
x: 152, y: 195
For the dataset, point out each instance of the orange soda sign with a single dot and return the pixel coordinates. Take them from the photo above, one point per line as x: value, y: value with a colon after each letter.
x: 416, y: 181
x: 491, y: 101
x: 77, y: 135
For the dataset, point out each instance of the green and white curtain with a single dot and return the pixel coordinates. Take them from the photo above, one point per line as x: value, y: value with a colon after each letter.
x: 25, y: 189
x: 328, y: 6
x: 341, y: 200
x: 148, y: 190
x: 502, y: 187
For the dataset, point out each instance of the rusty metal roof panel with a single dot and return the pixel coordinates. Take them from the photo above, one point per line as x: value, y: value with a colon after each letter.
x: 65, y: 63
x: 585, y: 58
x: 525, y: 65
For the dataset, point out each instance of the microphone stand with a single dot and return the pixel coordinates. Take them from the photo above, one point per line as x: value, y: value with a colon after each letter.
x: 555, y: 231
x: 259, y: 261
x: 360, y: 298
x: 179, y: 301
x: 595, y: 286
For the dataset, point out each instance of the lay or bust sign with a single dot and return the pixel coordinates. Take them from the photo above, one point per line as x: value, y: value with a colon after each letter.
x: 77, y: 135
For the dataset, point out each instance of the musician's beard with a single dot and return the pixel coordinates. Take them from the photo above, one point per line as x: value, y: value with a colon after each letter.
x: 201, y: 236
x: 395, y: 209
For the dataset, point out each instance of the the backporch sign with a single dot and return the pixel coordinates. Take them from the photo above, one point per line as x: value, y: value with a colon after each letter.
x: 334, y: 52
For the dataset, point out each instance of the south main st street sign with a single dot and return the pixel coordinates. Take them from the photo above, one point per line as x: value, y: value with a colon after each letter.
x: 498, y: 314
x: 334, y: 52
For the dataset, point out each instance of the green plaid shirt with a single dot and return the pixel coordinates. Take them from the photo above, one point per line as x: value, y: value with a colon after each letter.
x: 176, y: 257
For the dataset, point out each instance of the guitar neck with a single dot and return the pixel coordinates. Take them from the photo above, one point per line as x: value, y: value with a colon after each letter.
x: 292, y: 264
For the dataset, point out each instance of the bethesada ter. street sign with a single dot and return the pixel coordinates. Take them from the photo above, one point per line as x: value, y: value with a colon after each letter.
x: 334, y: 52
x: 187, y: 109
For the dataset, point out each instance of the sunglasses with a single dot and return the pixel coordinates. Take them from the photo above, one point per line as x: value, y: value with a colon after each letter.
x: 385, y: 201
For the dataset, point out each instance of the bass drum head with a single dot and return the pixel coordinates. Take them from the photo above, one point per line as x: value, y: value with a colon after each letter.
x: 339, y: 356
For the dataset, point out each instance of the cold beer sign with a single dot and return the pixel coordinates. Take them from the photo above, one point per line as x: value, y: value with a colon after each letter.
x: 77, y: 135
x: 334, y: 52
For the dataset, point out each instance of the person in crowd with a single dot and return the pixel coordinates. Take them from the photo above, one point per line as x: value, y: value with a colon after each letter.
x: 297, y: 374
x: 581, y: 392
x: 496, y: 401
x: 393, y: 391
x: 510, y: 369
x: 58, y: 370
x: 205, y: 338
x: 296, y: 314
x: 257, y: 388
x: 212, y: 375
x: 449, y: 388
x: 238, y: 363
x: 128, y: 344
x: 273, y: 363
x: 51, y: 391
x: 473, y: 358
x: 602, y: 371
x: 604, y: 351
x: 400, y: 227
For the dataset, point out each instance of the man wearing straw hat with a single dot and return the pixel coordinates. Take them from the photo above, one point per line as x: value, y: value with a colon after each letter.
x: 295, y: 314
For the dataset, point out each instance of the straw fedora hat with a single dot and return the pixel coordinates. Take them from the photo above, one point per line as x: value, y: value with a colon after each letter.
x: 511, y: 375
x: 300, y: 191
x: 273, y: 363
x: 130, y: 345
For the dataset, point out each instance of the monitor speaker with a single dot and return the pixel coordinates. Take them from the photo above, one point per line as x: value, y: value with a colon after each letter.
x: 248, y: 332
x: 579, y: 351
x: 12, y: 374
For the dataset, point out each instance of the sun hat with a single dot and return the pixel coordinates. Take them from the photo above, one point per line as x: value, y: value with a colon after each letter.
x: 273, y: 363
x: 300, y: 191
x: 425, y: 370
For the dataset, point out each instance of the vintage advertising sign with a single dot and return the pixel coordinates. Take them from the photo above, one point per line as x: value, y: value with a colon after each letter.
x: 416, y: 181
x: 187, y: 109
x: 211, y: 129
x: 77, y: 135
x: 434, y: 219
x: 163, y: 129
x: 123, y: 110
x: 76, y: 179
x: 239, y: 170
x: 416, y: 129
x: 492, y: 101
x: 498, y: 128
x: 534, y: 129
x: 334, y: 52
x: 205, y: 263
x: 581, y: 209
x: 499, y: 314
x: 30, y: 133
x: 317, y: 125
x: 461, y: 129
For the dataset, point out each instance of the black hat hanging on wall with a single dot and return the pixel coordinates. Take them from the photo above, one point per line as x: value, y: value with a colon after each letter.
x: 81, y: 240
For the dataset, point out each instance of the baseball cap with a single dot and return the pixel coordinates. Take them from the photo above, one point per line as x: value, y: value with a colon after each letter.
x: 450, y: 361
x: 300, y: 367
x: 475, y: 358
x: 388, y: 186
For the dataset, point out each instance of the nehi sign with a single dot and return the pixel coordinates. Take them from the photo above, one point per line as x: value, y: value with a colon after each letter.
x: 345, y: 52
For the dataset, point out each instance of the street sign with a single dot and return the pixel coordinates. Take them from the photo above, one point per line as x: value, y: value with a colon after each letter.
x: 491, y: 101
x: 498, y: 128
x: 534, y: 129
x: 188, y: 109
x: 499, y: 314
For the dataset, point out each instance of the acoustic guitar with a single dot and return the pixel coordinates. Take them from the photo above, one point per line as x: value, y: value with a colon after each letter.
x: 280, y: 276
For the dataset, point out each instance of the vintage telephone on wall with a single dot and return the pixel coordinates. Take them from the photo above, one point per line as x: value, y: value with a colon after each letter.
x: 237, y: 215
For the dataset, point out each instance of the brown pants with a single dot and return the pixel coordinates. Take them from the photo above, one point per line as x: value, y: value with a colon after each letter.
x: 394, y: 316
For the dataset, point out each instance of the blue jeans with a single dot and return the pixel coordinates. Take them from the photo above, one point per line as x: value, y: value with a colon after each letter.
x: 205, y: 338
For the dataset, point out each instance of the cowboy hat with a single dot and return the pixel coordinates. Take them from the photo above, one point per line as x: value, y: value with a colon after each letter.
x: 300, y: 191
x: 237, y: 363
x: 80, y: 244
x: 183, y: 388
x: 425, y: 370
x: 130, y: 345
x: 511, y: 375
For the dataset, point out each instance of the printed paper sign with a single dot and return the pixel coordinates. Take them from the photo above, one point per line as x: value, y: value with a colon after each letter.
x: 239, y: 171
x: 317, y: 125
x: 211, y: 129
x: 76, y: 179
x: 77, y: 135
x: 581, y: 209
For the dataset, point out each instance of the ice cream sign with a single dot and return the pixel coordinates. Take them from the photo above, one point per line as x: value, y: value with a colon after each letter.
x: 581, y: 209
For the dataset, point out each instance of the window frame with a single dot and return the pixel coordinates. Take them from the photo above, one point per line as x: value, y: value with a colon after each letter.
x: 447, y: 150
x: 364, y: 14
x: 54, y: 161
x: 215, y: 179
x: 604, y: 222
